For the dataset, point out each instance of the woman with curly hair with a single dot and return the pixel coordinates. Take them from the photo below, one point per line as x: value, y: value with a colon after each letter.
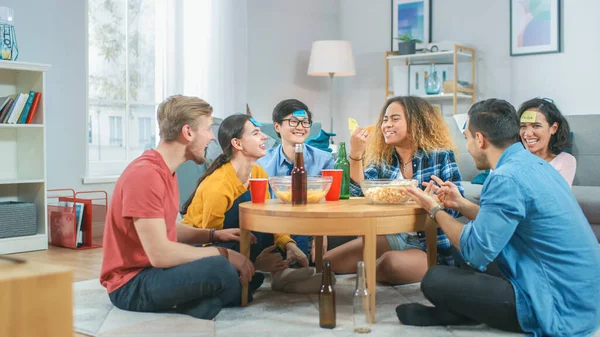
x: 411, y: 141
x: 546, y: 134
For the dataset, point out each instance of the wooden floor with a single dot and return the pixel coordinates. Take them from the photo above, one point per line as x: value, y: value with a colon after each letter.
x: 86, y: 264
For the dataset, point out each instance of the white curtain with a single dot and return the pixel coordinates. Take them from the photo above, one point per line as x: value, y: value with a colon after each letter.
x: 207, y: 52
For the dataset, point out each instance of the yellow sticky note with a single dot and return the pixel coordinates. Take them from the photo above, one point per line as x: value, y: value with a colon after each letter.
x: 352, y: 124
x: 528, y: 116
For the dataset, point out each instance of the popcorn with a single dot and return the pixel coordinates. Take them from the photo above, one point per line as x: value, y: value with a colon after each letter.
x: 392, y: 192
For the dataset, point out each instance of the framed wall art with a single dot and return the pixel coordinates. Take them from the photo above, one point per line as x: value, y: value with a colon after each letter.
x: 535, y: 27
x: 412, y: 17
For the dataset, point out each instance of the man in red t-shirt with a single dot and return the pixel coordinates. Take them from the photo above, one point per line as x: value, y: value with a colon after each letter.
x: 150, y: 263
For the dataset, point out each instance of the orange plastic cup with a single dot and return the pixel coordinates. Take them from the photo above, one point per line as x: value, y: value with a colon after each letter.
x: 258, y: 189
x: 336, y: 184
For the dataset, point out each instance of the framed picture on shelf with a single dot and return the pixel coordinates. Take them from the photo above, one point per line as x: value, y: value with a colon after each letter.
x: 535, y: 27
x: 412, y: 17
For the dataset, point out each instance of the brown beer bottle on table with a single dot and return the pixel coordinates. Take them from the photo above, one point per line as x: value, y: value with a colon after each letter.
x: 299, y: 179
x: 326, y: 299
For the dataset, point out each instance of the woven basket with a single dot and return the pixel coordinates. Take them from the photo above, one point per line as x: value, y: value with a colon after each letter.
x: 17, y: 219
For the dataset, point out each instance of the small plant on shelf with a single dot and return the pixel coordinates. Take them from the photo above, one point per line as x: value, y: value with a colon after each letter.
x: 407, y: 44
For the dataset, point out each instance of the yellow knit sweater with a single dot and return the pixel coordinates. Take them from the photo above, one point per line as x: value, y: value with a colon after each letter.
x: 215, y: 196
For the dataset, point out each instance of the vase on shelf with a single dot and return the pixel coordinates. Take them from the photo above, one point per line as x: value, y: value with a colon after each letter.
x: 433, y: 81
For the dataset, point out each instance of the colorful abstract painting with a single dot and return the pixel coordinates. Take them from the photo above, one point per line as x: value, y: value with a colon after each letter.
x: 534, y: 27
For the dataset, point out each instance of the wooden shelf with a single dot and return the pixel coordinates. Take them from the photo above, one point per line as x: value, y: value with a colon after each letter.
x: 424, y: 58
x: 455, y: 56
x: 443, y: 96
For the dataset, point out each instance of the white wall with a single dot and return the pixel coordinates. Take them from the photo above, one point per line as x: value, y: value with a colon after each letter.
x: 367, y: 25
x: 570, y: 77
x: 54, y: 32
x: 280, y: 35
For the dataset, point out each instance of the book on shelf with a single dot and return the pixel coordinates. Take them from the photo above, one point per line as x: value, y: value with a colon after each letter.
x: 3, y: 101
x: 19, y: 110
x: 6, y: 107
x: 33, y: 109
x: 23, y: 117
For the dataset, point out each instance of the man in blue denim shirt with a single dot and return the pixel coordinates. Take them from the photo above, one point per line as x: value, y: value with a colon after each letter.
x: 292, y: 120
x: 530, y: 224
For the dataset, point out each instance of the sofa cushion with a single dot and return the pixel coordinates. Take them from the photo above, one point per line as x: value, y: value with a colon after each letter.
x: 472, y: 191
x: 588, y: 198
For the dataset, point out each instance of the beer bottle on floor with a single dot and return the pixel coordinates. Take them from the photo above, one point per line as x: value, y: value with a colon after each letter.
x: 341, y: 163
x: 326, y: 299
x: 299, y: 178
x: 362, y: 302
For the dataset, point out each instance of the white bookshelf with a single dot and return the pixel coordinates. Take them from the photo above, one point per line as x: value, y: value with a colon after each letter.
x: 23, y: 149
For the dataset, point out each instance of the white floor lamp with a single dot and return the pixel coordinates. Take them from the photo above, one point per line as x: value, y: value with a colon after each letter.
x: 331, y: 58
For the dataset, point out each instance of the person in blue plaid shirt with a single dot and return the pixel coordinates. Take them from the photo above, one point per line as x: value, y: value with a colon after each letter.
x: 412, y: 141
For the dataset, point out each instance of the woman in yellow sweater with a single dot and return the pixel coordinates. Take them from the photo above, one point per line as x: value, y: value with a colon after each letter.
x: 225, y: 185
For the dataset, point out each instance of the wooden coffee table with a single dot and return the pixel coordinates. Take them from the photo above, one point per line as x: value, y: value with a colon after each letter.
x: 355, y: 216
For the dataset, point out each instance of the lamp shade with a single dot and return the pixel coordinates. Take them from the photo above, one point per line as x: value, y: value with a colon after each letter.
x: 331, y: 56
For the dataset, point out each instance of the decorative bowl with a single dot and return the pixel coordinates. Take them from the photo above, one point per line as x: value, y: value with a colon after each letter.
x: 387, y: 191
x: 317, y: 188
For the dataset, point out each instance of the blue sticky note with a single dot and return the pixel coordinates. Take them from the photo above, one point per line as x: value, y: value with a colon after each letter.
x: 299, y: 113
x: 255, y: 122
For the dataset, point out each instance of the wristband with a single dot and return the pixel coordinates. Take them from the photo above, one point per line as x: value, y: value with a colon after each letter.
x: 211, y: 235
x: 359, y: 159
x: 223, y: 251
x: 434, y: 210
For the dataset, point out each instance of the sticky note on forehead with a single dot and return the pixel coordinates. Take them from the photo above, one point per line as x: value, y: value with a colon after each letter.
x: 255, y: 122
x: 299, y: 113
x: 352, y: 124
x: 528, y: 116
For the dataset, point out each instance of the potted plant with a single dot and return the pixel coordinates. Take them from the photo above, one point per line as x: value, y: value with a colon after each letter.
x: 407, y: 44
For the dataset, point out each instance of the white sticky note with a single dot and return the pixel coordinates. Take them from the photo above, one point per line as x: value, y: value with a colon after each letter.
x: 352, y: 124
x: 528, y: 116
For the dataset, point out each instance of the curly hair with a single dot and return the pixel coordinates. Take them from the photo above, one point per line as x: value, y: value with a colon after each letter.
x: 426, y: 128
x: 560, y: 140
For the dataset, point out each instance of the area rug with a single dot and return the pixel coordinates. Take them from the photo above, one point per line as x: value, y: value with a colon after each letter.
x: 271, y: 314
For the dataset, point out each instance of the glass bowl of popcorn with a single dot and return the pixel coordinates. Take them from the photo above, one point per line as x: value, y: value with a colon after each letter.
x: 316, y: 189
x: 387, y: 191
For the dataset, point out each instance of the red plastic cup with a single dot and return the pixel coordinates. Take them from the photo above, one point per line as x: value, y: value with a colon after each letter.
x: 258, y: 189
x: 336, y: 184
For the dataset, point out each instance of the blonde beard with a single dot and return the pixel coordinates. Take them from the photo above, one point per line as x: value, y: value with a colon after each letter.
x: 190, y: 155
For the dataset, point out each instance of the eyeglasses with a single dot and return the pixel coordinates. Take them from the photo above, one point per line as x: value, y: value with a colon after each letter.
x: 294, y: 122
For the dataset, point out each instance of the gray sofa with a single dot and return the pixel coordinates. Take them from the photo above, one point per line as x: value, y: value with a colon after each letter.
x: 585, y: 148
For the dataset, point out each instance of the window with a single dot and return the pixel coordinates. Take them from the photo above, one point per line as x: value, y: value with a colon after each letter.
x: 145, y: 134
x: 116, y: 132
x: 141, y: 51
x: 125, y: 80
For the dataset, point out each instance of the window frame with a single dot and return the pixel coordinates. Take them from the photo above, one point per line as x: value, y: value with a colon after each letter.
x: 107, y: 172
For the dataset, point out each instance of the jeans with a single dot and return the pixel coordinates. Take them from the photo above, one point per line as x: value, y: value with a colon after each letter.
x: 199, y: 288
x: 473, y: 296
x: 232, y: 220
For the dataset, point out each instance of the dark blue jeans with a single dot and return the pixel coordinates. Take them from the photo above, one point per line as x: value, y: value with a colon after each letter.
x: 199, y: 289
x: 232, y: 220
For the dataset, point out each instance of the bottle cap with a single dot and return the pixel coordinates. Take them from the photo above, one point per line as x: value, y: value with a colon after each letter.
x: 298, y: 147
